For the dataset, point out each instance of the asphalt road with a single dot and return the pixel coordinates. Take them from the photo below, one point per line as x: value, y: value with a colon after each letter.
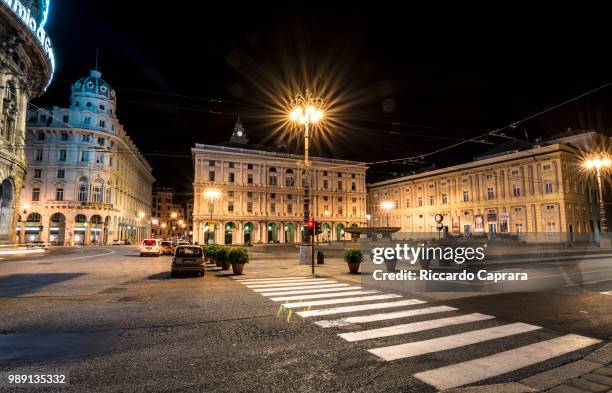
x: 114, y: 322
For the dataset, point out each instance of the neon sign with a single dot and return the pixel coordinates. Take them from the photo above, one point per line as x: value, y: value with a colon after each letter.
x: 24, y: 14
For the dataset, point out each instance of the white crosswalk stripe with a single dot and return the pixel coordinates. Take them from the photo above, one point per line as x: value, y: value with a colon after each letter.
x: 339, y: 301
x: 322, y: 286
x: 418, y: 348
x: 413, y: 327
x: 322, y: 295
x: 503, y: 362
x: 289, y: 284
x: 383, y: 316
x: 304, y: 291
x: 302, y: 281
x: 360, y: 307
x: 240, y: 279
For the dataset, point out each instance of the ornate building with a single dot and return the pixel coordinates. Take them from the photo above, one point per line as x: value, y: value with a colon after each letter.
x: 261, y: 193
x: 26, y: 69
x: 517, y: 188
x: 87, y: 181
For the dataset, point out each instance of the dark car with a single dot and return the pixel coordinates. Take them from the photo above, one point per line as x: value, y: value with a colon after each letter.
x: 167, y: 247
x: 188, y: 259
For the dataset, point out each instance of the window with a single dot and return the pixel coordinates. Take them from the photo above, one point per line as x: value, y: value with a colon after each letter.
x: 85, y: 138
x: 231, y: 165
x: 249, y: 207
x: 41, y: 135
x: 230, y: 194
x: 36, y: 194
x: 290, y: 208
x: 490, y: 193
x: 211, y: 176
x: 85, y: 156
x: 353, y: 186
x: 547, y: 167
x: 272, y: 178
x: 444, y: 199
x: 407, y: 203
x: 325, y: 184
x: 211, y: 163
x: 431, y: 200
x: 100, y: 159
x: 230, y: 206
x: 289, y: 197
x: 466, y: 196
x: 340, y: 210
x: 353, y: 175
x: 339, y: 186
x: 548, y: 187
x: 250, y: 178
x: 83, y: 193
x: 550, y: 207
x: 43, y: 118
x: 38, y: 155
x: 59, y: 194
x: 64, y: 136
x: 249, y: 166
x: 61, y: 173
x: 518, y: 228
x: 62, y: 155
x: 37, y: 173
x: 249, y: 194
x: 339, y: 199
x: 324, y: 173
x: 272, y: 207
x: 101, y: 141
x: 518, y: 209
x: 354, y: 210
x: 354, y: 200
x: 87, y: 121
x: 97, y: 193
x: 552, y: 227
x: 339, y: 174
x: 325, y: 198
x: 420, y: 201
x: 231, y: 177
x: 516, y: 190
x: 272, y: 196
x: 102, y: 124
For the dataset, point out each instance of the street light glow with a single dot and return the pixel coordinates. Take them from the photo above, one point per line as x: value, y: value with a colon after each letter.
x: 174, y: 215
x: 306, y: 109
x: 598, y: 161
x: 387, y: 205
x: 212, y: 194
x: 155, y: 221
x: 141, y: 214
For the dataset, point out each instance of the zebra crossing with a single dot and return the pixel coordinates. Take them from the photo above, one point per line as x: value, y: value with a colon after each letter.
x: 331, y: 304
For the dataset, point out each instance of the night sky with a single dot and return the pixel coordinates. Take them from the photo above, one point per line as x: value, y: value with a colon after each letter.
x: 398, y: 82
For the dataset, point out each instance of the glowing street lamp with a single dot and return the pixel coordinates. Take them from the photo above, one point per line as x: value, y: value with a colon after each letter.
x: 141, y: 215
x: 387, y: 206
x: 211, y: 195
x: 306, y: 110
x: 600, y: 162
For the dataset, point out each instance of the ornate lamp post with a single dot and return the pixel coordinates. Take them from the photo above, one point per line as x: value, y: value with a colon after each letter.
x: 387, y: 206
x: 211, y: 195
x: 600, y: 162
x: 306, y: 110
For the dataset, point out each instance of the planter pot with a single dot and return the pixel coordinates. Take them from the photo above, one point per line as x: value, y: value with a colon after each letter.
x: 354, y: 267
x: 217, y: 262
x: 225, y: 265
x: 237, y: 268
x: 391, y: 265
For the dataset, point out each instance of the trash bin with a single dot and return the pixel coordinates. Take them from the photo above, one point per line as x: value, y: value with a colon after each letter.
x: 320, y: 258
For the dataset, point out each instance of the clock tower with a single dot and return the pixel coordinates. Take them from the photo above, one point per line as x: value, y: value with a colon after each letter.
x: 239, y: 134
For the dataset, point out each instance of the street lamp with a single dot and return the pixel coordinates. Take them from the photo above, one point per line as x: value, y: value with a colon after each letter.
x: 387, y: 206
x: 306, y: 111
x: 600, y: 162
x: 211, y: 195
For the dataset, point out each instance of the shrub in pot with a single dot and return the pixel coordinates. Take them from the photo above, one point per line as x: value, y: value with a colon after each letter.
x: 238, y: 257
x: 212, y: 253
x: 221, y: 257
x: 354, y: 258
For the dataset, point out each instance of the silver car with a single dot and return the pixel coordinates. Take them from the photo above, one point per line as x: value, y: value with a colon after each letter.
x: 188, y: 259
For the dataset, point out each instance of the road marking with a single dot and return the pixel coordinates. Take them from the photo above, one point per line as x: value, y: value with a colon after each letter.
x: 323, y: 295
x: 309, y: 291
x: 383, y: 316
x: 237, y: 278
x: 322, y: 286
x: 504, y: 362
x: 607, y: 293
x: 305, y: 280
x: 360, y: 307
x: 67, y: 259
x: 413, y: 327
x: 280, y: 285
x: 339, y: 301
x: 418, y: 348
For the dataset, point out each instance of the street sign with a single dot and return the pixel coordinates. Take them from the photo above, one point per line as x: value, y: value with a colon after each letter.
x: 439, y: 218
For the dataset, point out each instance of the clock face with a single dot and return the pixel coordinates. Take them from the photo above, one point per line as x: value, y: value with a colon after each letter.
x: 239, y: 133
x: 479, y: 220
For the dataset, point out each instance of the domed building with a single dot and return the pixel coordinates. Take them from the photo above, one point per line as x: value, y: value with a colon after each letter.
x: 87, y: 181
x: 26, y: 69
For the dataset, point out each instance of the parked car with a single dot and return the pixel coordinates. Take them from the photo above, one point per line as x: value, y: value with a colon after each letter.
x: 188, y: 258
x: 117, y: 242
x: 167, y: 247
x: 150, y: 247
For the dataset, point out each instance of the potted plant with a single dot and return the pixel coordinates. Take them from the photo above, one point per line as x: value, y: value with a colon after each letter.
x: 238, y: 256
x: 221, y: 258
x: 211, y: 251
x: 391, y: 264
x: 354, y: 258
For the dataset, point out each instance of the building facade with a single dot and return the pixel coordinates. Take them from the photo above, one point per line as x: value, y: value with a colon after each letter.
x: 261, y: 193
x: 539, y: 190
x: 169, y: 215
x: 26, y: 69
x: 87, y: 182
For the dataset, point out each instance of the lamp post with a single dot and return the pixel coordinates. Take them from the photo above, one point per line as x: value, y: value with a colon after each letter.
x: 600, y: 162
x: 211, y: 195
x: 154, y: 223
x: 387, y: 206
x: 306, y: 111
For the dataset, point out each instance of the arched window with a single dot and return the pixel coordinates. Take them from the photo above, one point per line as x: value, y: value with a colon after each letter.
x: 272, y: 180
x: 80, y: 218
x: 97, y: 191
x: 289, y: 179
x: 108, y: 194
x: 34, y: 217
x: 83, y: 189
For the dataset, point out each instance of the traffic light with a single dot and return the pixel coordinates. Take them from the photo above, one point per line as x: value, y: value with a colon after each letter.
x: 318, y: 230
x: 310, y: 224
